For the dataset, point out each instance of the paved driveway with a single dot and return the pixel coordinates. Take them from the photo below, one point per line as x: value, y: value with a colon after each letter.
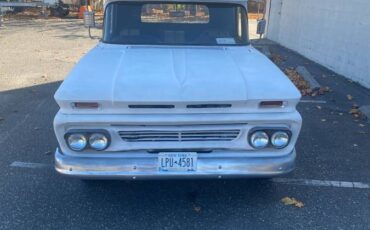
x: 333, y: 152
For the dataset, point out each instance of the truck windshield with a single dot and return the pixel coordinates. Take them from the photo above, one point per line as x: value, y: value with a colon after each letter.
x: 175, y: 23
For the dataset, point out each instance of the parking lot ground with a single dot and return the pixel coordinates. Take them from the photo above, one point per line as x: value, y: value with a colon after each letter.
x: 333, y: 149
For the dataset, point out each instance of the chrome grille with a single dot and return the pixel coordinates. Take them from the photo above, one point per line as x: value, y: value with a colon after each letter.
x: 179, y: 136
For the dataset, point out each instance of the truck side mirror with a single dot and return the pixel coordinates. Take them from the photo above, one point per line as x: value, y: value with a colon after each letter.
x: 261, y: 26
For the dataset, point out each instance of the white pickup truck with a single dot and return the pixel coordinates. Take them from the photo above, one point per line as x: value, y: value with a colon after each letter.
x: 175, y: 90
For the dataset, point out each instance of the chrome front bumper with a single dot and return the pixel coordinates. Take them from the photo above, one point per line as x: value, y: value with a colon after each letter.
x: 209, y: 165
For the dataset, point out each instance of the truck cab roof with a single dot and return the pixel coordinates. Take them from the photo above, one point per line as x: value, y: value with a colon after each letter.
x: 240, y: 2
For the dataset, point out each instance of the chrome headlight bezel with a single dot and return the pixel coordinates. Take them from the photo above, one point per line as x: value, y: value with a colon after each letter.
x: 101, y: 136
x: 87, y: 134
x: 77, y: 136
x: 274, y: 136
x: 270, y: 132
x: 262, y: 135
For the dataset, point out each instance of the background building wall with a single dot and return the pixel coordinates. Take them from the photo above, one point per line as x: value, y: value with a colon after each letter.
x: 334, y: 33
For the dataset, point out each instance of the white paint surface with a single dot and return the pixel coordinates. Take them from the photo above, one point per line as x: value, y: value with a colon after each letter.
x: 322, y: 183
x: 334, y: 33
x: 313, y: 101
x: 175, y: 75
x: 31, y: 165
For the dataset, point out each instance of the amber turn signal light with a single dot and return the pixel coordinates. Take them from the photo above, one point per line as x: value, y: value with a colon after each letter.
x: 85, y: 105
x: 272, y: 104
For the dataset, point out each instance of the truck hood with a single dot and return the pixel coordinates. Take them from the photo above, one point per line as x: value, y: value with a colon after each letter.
x: 132, y: 78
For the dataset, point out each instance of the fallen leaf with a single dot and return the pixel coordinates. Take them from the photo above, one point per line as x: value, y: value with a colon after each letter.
x: 197, y: 209
x: 303, y: 85
x: 292, y: 201
x: 327, y: 89
x: 354, y: 111
x: 298, y: 81
x: 299, y: 205
x: 350, y: 97
x: 277, y: 59
x: 287, y: 201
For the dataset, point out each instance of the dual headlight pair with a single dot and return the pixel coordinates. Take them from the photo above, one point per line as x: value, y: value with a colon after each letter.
x: 260, y: 139
x: 79, y: 141
x: 100, y: 140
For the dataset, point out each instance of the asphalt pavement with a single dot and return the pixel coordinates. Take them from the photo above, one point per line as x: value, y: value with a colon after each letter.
x: 333, y: 149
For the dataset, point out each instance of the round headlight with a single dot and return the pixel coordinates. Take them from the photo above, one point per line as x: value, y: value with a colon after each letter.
x: 77, y: 141
x: 259, y: 140
x: 98, y: 141
x: 280, y: 139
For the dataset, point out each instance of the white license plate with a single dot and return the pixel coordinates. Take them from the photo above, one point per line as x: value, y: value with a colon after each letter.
x: 177, y: 161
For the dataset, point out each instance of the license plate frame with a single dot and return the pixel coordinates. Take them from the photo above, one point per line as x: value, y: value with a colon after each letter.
x: 177, y: 161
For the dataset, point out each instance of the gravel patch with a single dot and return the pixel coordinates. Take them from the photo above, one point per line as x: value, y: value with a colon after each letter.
x: 37, y: 51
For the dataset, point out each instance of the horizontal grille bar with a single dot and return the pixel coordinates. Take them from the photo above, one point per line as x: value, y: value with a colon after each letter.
x: 208, y: 106
x: 191, y: 106
x: 151, y: 106
x: 178, y: 136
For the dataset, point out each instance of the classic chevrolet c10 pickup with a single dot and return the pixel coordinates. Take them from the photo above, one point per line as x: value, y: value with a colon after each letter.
x: 174, y: 89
